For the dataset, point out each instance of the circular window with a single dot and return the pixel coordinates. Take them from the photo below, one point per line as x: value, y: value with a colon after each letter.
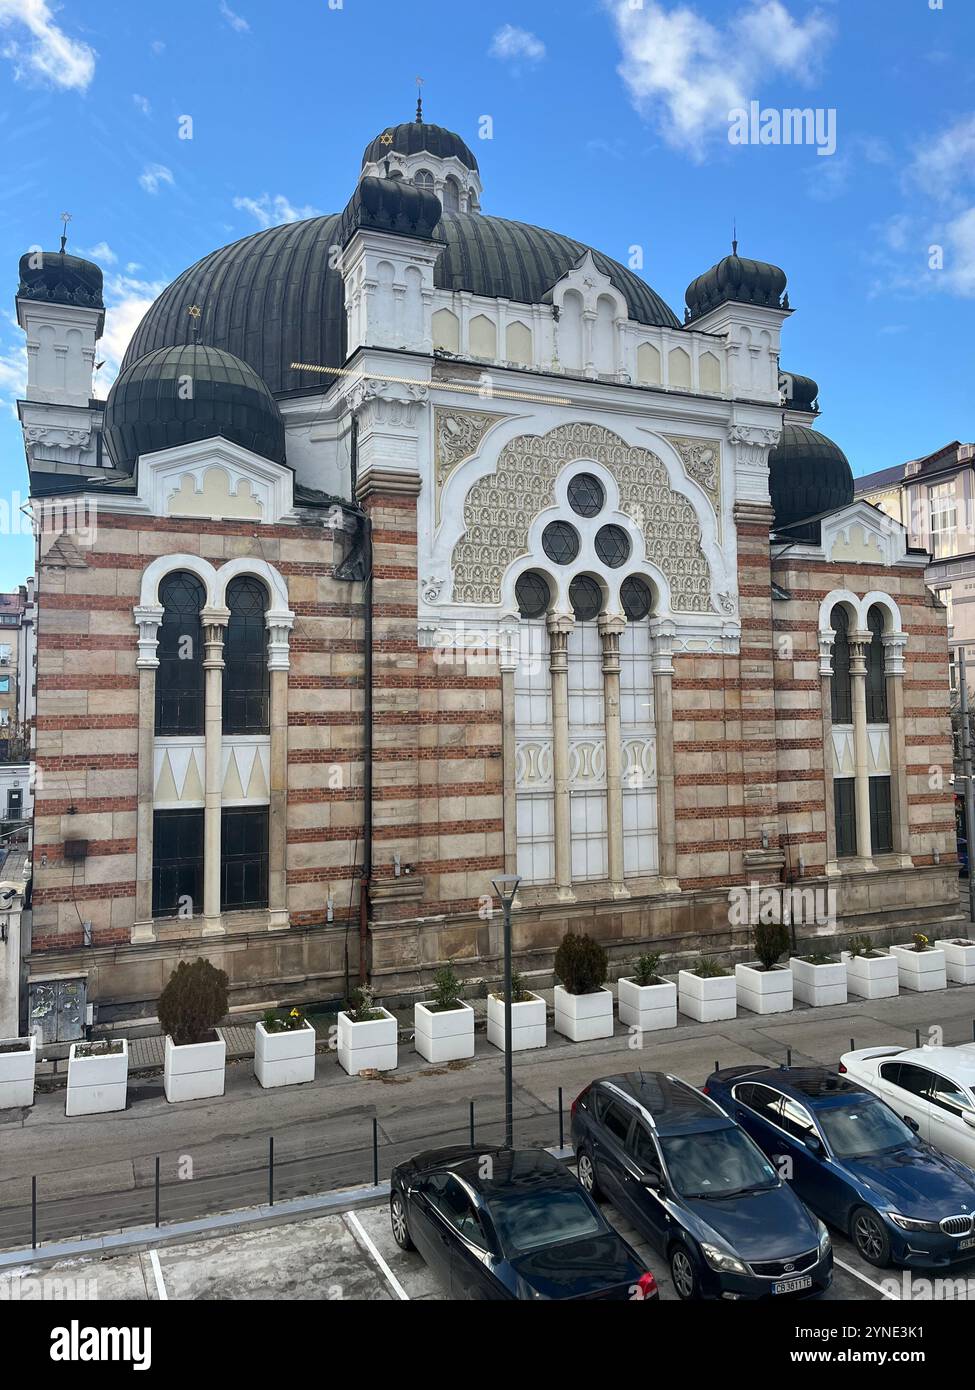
x: 636, y: 597
x: 560, y: 541
x: 612, y: 546
x: 586, y: 598
x: 586, y: 495
x: 533, y: 594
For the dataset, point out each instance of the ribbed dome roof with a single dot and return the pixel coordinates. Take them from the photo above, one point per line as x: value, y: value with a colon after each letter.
x: 801, y: 391
x: 57, y: 278
x: 416, y: 137
x: 149, y: 407
x: 738, y: 281
x: 271, y: 299
x: 808, y: 475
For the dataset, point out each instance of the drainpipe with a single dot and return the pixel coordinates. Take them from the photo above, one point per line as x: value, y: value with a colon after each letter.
x: 367, y: 745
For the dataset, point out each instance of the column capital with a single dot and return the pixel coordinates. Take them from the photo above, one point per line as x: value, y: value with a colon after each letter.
x: 663, y: 633
x: 827, y: 639
x: 611, y: 627
x: 214, y: 622
x: 279, y: 623
x: 148, y: 618
x: 859, y: 643
x: 509, y: 646
x: 895, y: 645
x: 559, y: 626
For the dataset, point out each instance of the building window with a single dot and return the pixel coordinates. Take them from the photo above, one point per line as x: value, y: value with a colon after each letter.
x: 243, y: 862
x: 246, y: 680
x: 177, y: 863
x: 876, y: 674
x: 560, y: 541
x: 844, y: 807
x: 842, y: 695
x: 586, y: 598
x: 423, y: 178
x: 586, y: 495
x: 179, y: 679
x: 612, y: 546
x: 4, y: 685
x: 636, y: 597
x: 451, y: 195
x: 881, y: 829
x: 943, y: 519
x: 532, y: 594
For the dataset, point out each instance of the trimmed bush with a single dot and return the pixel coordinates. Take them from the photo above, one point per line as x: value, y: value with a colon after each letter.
x: 771, y: 943
x: 193, y: 1002
x: 580, y: 964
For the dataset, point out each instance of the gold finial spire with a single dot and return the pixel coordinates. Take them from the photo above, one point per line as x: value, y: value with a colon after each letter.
x: 65, y: 219
x: 419, y: 101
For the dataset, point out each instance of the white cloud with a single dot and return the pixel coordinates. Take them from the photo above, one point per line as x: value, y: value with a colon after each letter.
x: 102, y: 254
x: 959, y: 271
x: 46, y: 54
x: 158, y: 47
x: 126, y: 302
x: 271, y: 212
x: 153, y: 175
x: 142, y: 103
x: 13, y: 376
x: 513, y: 45
x: 946, y: 161
x: 686, y: 74
x: 236, y: 21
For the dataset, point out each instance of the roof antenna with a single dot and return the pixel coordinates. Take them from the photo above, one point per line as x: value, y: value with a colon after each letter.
x: 65, y: 218
x: 419, y: 101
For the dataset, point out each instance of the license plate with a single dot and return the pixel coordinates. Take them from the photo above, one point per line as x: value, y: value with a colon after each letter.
x: 792, y: 1285
x: 966, y: 1244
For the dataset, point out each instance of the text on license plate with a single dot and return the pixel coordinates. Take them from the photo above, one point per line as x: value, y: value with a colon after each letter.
x: 792, y: 1285
x: 966, y: 1244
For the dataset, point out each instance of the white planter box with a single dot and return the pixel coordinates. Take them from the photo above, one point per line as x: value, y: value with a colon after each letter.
x: 284, y: 1059
x: 97, y: 1085
x: 582, y: 1017
x: 194, y: 1071
x: 872, y: 977
x: 17, y: 1073
x: 527, y: 1023
x: 764, y: 991
x: 647, y: 1007
x: 818, y: 985
x: 707, y: 998
x: 371, y: 1046
x: 443, y: 1037
x: 960, y: 962
x: 920, y: 970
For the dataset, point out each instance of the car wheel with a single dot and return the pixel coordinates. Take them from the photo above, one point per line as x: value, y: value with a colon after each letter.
x: 870, y: 1237
x: 586, y: 1169
x: 397, y: 1219
x: 683, y: 1273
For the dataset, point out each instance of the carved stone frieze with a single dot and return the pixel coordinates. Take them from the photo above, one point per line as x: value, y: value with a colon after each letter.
x: 702, y: 464
x: 458, y: 435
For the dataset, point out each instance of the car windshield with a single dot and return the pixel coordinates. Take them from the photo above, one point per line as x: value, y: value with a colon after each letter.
x: 716, y: 1163
x: 546, y: 1217
x: 866, y: 1126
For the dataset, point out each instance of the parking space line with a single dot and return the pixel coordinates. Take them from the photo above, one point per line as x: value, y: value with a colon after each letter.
x: 362, y: 1238
x: 893, y: 1298
x: 158, y: 1275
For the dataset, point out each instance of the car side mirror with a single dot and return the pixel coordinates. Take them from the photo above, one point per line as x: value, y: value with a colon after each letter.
x: 814, y: 1144
x: 652, y: 1182
x: 969, y: 1117
x: 913, y: 1124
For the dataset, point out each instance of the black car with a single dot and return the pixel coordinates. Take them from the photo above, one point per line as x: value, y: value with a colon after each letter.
x: 700, y: 1190
x: 511, y: 1223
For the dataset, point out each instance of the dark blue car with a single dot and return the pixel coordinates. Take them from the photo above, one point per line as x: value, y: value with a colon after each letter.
x: 699, y: 1189
x: 855, y: 1163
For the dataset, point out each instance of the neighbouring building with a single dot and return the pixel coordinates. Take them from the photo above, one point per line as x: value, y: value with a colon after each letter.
x: 414, y: 545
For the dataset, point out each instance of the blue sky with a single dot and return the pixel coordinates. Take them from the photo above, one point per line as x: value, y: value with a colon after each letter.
x: 610, y: 123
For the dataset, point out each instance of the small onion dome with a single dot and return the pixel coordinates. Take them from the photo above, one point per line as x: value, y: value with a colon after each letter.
x: 416, y: 137
x: 177, y: 395
x: 801, y: 392
x: 390, y: 205
x: 57, y: 278
x: 737, y: 281
x: 808, y: 475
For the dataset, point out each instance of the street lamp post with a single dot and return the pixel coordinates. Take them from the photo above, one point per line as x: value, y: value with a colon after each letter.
x: 506, y: 886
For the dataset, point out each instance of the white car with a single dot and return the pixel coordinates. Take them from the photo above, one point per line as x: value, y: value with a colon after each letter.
x: 932, y: 1086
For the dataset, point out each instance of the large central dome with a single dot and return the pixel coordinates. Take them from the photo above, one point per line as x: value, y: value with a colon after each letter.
x: 272, y: 298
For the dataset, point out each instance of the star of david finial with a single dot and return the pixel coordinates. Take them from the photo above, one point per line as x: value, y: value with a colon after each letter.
x: 385, y: 138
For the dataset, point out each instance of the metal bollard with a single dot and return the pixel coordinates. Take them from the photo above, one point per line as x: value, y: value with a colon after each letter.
x: 375, y: 1152
x: 270, y: 1171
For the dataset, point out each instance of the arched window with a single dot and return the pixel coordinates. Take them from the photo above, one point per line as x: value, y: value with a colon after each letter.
x: 423, y: 178
x: 246, y: 683
x: 179, y: 679
x: 451, y: 195
x: 842, y: 703
x: 876, y: 672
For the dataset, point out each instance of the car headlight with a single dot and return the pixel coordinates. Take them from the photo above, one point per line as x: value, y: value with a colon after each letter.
x: 824, y: 1240
x: 910, y: 1223
x: 722, y: 1261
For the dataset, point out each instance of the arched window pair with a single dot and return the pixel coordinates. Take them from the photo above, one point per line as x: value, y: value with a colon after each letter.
x: 842, y: 701
x: 180, y: 677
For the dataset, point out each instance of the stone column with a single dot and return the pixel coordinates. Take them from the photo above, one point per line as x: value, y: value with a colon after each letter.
x: 279, y: 625
x: 148, y: 617
x: 894, y: 645
x: 859, y: 642
x: 662, y: 666
x: 508, y: 662
x: 610, y: 628
x: 214, y: 622
x: 826, y: 640
x: 559, y: 628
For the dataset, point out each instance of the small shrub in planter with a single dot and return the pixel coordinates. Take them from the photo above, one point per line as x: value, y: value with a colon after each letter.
x: 819, y: 979
x: 764, y: 986
x: 284, y: 1049
x: 190, y: 1007
x: 583, y: 1005
x: 920, y: 965
x: 527, y: 1017
x: 444, y: 1025
x: 706, y: 992
x: 98, y: 1075
x: 647, y: 1002
x: 870, y: 972
x: 368, y: 1035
